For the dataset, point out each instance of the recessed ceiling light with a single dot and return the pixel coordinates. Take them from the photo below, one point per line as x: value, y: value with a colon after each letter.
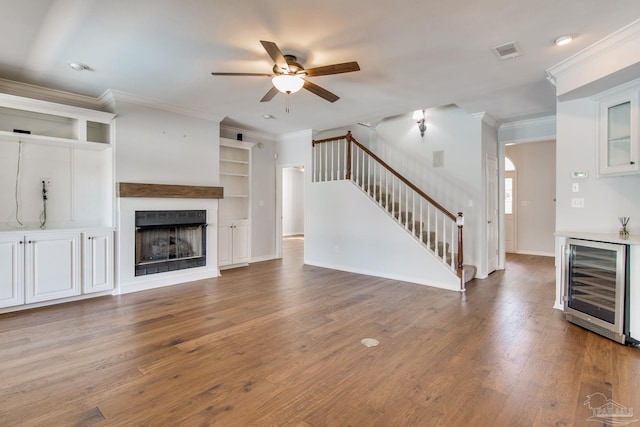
x: 561, y: 41
x: 78, y: 66
x: 267, y: 116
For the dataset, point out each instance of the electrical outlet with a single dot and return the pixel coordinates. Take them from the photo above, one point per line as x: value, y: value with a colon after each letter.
x: 577, y: 202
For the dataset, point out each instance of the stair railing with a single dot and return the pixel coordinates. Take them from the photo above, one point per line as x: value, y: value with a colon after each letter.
x: 343, y: 157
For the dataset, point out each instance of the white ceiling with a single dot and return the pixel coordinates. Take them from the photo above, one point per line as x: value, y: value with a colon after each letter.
x: 412, y: 53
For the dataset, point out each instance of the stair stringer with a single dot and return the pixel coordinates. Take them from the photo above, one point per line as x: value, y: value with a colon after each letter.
x: 346, y: 230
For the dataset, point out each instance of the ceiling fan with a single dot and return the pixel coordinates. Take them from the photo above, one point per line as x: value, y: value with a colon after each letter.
x: 289, y: 76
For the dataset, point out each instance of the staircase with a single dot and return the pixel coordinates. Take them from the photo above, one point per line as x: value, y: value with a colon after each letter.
x: 437, y: 230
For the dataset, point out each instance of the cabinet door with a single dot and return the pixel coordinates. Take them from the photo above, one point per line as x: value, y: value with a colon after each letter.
x: 97, y: 261
x: 225, y: 245
x: 52, y: 266
x: 240, y: 242
x: 619, y: 141
x: 11, y: 268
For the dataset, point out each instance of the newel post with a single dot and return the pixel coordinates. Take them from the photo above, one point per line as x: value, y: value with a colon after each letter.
x: 460, y: 224
x: 349, y: 138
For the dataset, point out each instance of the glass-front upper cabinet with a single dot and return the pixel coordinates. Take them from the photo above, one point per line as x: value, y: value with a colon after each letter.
x: 618, y: 142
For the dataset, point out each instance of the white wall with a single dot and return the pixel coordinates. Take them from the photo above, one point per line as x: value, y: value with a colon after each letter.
x: 606, y: 198
x: 161, y: 147
x: 535, y: 193
x: 347, y: 231
x: 79, y: 193
x: 292, y: 201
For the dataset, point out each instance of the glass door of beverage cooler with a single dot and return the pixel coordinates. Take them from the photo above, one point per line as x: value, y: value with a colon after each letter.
x: 595, y: 288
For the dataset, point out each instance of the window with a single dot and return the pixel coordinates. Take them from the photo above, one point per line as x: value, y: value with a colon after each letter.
x: 508, y: 196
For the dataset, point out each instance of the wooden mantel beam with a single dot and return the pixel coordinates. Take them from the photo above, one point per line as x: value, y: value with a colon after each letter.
x: 132, y: 189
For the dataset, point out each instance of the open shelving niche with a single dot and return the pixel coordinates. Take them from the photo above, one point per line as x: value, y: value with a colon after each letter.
x: 235, y: 178
x: 234, y: 246
x: 52, y: 124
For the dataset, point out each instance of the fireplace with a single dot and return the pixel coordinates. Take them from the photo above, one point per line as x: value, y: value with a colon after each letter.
x: 169, y: 240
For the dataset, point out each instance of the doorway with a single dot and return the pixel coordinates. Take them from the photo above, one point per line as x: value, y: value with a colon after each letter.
x: 292, y: 215
x: 510, y: 206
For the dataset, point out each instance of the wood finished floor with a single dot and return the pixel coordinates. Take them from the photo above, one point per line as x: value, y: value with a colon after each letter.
x: 278, y: 344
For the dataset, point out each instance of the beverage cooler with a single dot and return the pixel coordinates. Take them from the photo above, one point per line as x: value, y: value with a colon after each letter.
x: 596, y: 294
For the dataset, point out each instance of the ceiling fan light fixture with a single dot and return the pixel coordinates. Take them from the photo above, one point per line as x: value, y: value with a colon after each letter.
x: 288, y: 83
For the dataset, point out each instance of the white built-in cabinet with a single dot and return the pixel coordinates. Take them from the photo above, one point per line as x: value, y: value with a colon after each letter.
x: 233, y: 244
x: 49, y: 265
x: 618, y: 141
x: 234, y: 231
x: 97, y: 256
x: 11, y: 270
x: 52, y: 266
x: 72, y: 257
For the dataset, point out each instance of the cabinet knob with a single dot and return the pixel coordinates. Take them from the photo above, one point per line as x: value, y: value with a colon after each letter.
x: 21, y: 242
x: 29, y: 242
x: 632, y: 163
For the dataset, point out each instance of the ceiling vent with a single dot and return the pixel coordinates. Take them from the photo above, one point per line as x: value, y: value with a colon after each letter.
x: 507, y: 51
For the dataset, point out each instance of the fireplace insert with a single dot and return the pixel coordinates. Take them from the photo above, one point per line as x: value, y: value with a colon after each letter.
x: 170, y: 240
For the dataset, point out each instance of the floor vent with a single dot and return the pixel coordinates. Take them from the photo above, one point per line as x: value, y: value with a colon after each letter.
x: 507, y: 51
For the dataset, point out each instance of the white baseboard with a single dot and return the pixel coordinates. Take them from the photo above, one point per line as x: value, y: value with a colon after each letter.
x: 263, y: 258
x: 446, y: 286
x: 536, y: 253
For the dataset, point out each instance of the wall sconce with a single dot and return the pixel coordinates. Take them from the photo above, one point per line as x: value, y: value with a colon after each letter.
x: 418, y: 116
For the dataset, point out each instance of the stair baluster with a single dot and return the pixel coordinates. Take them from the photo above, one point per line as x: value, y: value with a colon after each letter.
x: 417, y: 213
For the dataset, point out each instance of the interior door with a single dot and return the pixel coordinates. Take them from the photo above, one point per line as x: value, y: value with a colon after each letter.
x: 492, y: 213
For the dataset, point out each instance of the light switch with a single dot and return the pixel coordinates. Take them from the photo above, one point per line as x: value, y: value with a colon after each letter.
x: 575, y: 187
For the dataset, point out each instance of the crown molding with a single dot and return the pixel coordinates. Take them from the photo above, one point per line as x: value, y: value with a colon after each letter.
x: 486, y: 118
x: 247, y: 134
x: 539, y: 121
x: 111, y: 97
x: 530, y: 130
x: 50, y: 95
x: 605, y: 57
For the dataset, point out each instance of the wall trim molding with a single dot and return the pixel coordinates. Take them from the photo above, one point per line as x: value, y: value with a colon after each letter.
x: 251, y: 135
x: 530, y: 130
x: 607, y: 63
x: 110, y: 97
x: 51, y: 95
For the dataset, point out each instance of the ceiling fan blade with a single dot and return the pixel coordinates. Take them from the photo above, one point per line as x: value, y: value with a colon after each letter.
x: 276, y: 54
x: 269, y: 95
x: 346, y: 67
x: 320, y: 91
x: 242, y: 74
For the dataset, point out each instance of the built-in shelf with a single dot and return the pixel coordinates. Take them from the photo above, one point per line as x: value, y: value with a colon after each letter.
x: 234, y: 174
x: 41, y: 122
x: 234, y: 229
x: 52, y: 141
